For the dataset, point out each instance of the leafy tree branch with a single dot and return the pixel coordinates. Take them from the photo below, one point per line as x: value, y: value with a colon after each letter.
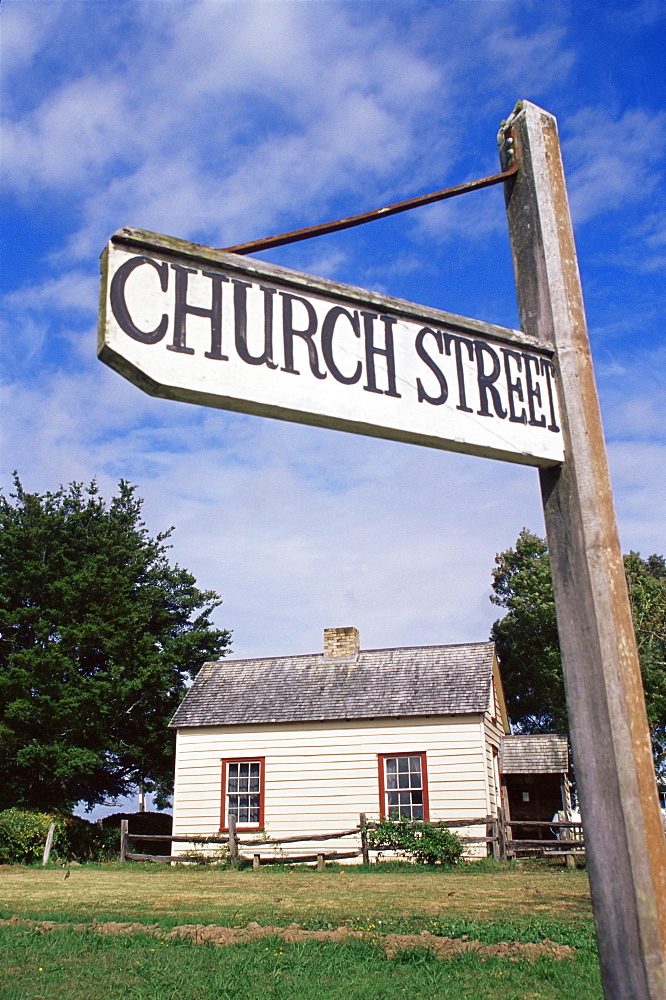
x: 99, y: 636
x: 528, y: 646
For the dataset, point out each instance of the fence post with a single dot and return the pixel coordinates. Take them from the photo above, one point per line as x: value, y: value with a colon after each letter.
x: 492, y: 830
x: 256, y: 862
x: 47, y: 846
x: 501, y: 835
x: 124, y: 839
x: 364, y: 839
x: 320, y: 863
x: 233, y: 846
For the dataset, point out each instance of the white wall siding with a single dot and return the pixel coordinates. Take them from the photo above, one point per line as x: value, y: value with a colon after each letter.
x: 492, y: 735
x: 320, y: 776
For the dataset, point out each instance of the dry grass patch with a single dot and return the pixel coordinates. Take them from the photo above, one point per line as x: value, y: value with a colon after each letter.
x: 281, y: 896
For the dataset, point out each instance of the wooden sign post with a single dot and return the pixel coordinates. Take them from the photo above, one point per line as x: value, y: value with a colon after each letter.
x: 624, y: 839
x: 212, y: 327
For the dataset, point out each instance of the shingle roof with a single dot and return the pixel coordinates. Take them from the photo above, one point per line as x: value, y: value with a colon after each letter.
x: 378, y: 683
x: 534, y: 754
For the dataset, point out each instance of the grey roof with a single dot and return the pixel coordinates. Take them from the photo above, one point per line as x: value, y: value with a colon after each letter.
x: 543, y: 754
x: 378, y: 683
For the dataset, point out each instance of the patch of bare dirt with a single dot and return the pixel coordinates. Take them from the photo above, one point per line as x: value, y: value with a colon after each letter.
x: 392, y: 944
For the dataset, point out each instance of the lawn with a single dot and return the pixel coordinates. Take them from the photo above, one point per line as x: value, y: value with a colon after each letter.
x: 354, y: 909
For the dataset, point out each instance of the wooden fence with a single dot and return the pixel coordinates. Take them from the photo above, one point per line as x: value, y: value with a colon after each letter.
x: 562, y: 838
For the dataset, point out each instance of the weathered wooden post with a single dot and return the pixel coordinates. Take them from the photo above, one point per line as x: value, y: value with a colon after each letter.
x: 491, y: 834
x: 48, y: 845
x: 364, y: 839
x: 321, y: 866
x: 625, y: 848
x: 233, y: 846
x: 501, y: 834
x: 124, y: 839
x: 256, y: 862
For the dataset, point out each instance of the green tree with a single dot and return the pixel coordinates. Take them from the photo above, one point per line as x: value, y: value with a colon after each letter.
x: 528, y: 646
x: 646, y: 581
x: 526, y: 637
x: 99, y: 636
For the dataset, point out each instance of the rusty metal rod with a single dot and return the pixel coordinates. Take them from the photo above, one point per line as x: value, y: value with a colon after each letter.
x: 378, y: 213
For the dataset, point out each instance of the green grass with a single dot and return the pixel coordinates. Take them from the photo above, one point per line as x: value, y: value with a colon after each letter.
x: 514, y: 903
x: 68, y: 965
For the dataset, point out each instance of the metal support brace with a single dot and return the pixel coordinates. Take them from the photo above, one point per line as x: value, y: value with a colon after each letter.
x: 378, y: 213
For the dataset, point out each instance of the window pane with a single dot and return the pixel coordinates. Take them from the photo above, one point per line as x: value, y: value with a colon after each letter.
x: 404, y: 787
x: 243, y: 791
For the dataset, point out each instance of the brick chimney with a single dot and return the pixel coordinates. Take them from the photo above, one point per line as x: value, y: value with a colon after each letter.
x: 341, y: 643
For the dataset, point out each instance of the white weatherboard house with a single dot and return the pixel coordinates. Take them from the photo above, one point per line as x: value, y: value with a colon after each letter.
x: 304, y: 744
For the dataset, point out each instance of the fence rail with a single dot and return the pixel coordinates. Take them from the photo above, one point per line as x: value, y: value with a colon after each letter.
x: 498, y: 837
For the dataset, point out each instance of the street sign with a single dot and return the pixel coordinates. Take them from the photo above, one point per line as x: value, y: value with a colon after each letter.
x: 205, y: 326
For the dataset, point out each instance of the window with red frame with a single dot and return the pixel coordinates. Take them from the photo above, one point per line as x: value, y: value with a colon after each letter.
x: 403, y: 786
x: 243, y: 792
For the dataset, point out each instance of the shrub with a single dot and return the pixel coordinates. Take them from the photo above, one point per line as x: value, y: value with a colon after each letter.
x: 23, y: 836
x: 423, y: 842
x: 82, y: 840
x: 139, y: 822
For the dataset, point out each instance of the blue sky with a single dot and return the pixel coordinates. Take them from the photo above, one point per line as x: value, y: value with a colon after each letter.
x: 221, y: 122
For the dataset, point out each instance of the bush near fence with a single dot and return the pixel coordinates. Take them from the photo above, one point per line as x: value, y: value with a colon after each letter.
x: 424, y: 842
x: 23, y: 835
x: 149, y: 823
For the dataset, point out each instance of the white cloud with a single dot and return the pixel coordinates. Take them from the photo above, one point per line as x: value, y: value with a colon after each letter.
x: 638, y: 473
x: 23, y: 35
x: 231, y: 120
x: 529, y: 60
x: 282, y: 109
x: 634, y: 392
x: 74, y: 290
x: 475, y: 218
x: 297, y: 528
x: 68, y: 139
x: 612, y: 162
